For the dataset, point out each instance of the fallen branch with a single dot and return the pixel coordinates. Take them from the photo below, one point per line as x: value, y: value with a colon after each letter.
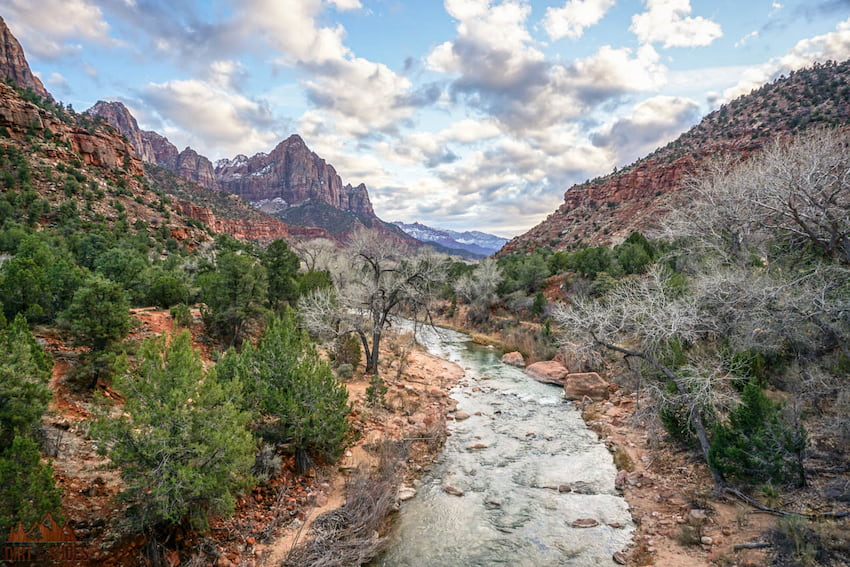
x: 757, y: 505
x: 752, y: 545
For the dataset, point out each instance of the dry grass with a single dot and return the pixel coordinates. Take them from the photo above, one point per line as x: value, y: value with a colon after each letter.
x: 351, y: 534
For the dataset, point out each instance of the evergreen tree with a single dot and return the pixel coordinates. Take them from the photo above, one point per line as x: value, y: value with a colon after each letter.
x: 281, y: 265
x: 99, y: 313
x: 298, y: 401
x: 27, y: 490
x: 181, y: 442
x: 24, y: 373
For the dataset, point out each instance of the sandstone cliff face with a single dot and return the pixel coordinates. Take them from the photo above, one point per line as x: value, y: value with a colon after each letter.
x: 245, y: 229
x: 195, y: 167
x: 291, y: 173
x: 98, y: 147
x: 119, y: 116
x: 13, y: 63
x: 153, y: 148
x: 164, y: 152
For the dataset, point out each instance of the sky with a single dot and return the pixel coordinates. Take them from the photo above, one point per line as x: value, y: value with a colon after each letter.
x: 461, y: 114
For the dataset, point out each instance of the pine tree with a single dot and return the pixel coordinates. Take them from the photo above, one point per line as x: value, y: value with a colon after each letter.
x: 182, y: 442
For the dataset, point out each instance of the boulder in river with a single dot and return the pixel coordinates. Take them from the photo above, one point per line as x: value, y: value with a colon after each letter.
x: 514, y: 359
x: 548, y: 372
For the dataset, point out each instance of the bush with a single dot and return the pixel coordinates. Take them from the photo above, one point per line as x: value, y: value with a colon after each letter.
x: 344, y: 371
x: 27, y: 490
x: 182, y: 315
x: 24, y: 373
x: 757, y: 445
x: 347, y: 350
x: 181, y: 442
x: 299, y: 403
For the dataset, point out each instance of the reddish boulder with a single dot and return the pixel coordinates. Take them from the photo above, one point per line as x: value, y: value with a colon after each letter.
x: 548, y: 372
x: 514, y: 359
x: 577, y: 386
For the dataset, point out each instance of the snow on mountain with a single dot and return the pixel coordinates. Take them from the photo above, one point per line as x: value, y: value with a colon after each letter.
x: 478, y: 243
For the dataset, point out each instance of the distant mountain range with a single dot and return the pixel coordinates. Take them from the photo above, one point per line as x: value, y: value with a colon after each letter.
x: 479, y: 244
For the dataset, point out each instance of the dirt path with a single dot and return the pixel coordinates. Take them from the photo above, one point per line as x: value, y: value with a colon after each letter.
x: 417, y: 407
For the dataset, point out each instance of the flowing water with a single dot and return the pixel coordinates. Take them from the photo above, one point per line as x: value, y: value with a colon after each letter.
x: 521, y: 443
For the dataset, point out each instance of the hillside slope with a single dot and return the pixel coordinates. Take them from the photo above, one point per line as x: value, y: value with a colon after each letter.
x: 607, y: 209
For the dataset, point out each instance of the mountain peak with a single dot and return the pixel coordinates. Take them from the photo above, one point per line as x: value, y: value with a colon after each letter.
x: 13, y: 63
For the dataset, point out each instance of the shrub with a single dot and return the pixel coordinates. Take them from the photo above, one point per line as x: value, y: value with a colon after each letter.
x: 181, y: 442
x: 182, y: 315
x: 345, y: 371
x: 299, y: 403
x: 757, y: 445
x: 24, y: 372
x: 347, y: 350
x: 27, y: 490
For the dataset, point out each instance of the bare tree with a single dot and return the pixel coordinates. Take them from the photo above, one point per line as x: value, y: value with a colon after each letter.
x: 317, y: 254
x: 806, y: 190
x: 479, y: 288
x: 375, y: 280
x: 797, y: 189
x: 643, y: 319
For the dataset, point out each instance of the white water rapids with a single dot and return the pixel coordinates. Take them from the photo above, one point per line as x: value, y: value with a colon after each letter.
x: 521, y: 443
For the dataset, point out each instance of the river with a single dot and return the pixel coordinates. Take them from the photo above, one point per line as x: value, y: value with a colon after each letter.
x: 523, y: 467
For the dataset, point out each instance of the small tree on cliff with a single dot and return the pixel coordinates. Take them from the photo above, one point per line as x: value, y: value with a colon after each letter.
x: 377, y: 279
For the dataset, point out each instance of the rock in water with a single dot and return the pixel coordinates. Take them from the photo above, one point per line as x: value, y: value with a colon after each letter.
x: 514, y: 359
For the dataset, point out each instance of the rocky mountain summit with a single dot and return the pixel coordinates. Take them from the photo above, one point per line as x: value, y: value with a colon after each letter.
x: 607, y: 209
x: 290, y: 175
x: 13, y: 63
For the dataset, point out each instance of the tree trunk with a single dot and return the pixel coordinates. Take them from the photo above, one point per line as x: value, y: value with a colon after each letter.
x: 372, y: 358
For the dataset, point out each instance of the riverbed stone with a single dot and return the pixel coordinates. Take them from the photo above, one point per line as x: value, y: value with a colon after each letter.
x: 461, y: 415
x: 514, y: 359
x: 405, y: 493
x: 548, y: 372
x: 577, y: 386
x: 585, y: 523
x: 453, y: 490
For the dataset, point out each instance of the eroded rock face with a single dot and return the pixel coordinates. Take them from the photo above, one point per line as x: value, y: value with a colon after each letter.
x: 13, y: 63
x: 245, y: 229
x: 589, y: 384
x: 190, y: 165
x: 293, y: 174
x: 119, y: 116
x: 548, y: 372
x: 98, y: 147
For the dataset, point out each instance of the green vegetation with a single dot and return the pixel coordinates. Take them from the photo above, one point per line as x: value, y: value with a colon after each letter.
x: 181, y: 443
x: 297, y: 401
x: 27, y: 489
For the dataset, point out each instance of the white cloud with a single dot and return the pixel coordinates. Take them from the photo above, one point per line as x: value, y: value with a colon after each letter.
x: 668, y: 22
x: 48, y: 28
x: 651, y: 124
x: 833, y: 46
x: 214, y: 121
x: 746, y: 39
x: 574, y: 17
x: 346, y: 4
x: 620, y: 70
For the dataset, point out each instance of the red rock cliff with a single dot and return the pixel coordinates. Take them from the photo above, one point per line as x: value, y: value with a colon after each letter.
x: 13, y: 63
x: 292, y: 173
